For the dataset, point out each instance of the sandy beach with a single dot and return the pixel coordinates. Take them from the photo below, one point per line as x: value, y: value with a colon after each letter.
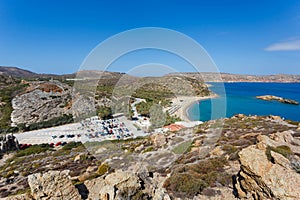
x: 184, y: 102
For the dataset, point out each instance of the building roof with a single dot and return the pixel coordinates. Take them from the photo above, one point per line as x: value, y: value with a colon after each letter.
x: 174, y: 127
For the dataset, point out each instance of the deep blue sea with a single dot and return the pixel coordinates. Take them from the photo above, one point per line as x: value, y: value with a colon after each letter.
x: 240, y: 98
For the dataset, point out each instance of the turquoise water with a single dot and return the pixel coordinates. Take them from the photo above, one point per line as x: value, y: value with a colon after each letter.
x: 240, y: 98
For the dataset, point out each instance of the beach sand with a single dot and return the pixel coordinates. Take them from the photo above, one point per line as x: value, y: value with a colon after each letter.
x: 185, y: 102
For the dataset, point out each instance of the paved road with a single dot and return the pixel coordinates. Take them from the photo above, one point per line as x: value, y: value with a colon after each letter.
x: 44, y: 135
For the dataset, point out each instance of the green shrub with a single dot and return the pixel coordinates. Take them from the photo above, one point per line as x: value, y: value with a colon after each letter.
x: 102, y: 169
x: 104, y: 112
x: 183, y: 147
x: 189, y: 180
x: 71, y: 145
x: 9, y: 174
x: 57, y: 121
x: 229, y: 149
x: 185, y: 185
x: 283, y: 150
x: 151, y: 148
x: 171, y: 119
x: 34, y: 149
x: 9, y: 88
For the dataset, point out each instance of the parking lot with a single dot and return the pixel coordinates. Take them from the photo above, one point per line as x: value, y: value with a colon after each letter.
x: 91, y: 129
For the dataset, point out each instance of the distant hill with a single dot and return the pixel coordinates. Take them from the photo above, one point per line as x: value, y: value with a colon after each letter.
x: 207, y: 76
x: 226, y: 77
x: 16, y: 72
x: 22, y: 73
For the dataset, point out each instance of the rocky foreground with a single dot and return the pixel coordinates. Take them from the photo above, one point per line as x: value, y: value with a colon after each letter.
x: 243, y: 157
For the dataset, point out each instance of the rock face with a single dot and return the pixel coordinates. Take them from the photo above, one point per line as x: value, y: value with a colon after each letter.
x: 119, y: 185
x: 18, y: 197
x: 125, y: 185
x: 53, y: 185
x: 56, y: 185
x: 276, y: 98
x: 42, y: 101
x: 263, y: 178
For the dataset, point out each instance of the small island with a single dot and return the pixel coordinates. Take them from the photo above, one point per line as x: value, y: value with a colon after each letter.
x: 279, y: 99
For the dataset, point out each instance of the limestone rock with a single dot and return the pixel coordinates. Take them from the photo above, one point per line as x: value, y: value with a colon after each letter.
x: 77, y: 157
x: 19, y: 197
x: 118, y: 185
x: 91, y: 168
x: 217, y: 151
x: 53, y: 185
x: 158, y: 139
x: 139, y: 148
x: 280, y: 139
x: 220, y: 193
x: 279, y: 99
x: 98, y: 189
x: 42, y: 101
x: 260, y: 178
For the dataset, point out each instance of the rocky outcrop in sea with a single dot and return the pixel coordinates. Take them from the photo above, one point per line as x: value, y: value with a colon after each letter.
x: 279, y: 99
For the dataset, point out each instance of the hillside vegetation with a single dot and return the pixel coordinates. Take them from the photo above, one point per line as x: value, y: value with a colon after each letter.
x: 9, y: 87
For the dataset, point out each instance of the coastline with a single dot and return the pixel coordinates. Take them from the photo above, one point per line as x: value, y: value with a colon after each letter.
x: 185, y: 102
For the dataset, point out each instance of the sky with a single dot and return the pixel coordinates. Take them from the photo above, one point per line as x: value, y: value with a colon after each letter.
x: 244, y: 37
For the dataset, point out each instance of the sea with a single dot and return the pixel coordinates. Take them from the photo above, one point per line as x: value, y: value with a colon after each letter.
x: 239, y: 98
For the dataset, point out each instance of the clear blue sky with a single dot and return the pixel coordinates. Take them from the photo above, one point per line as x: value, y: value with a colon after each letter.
x: 242, y: 36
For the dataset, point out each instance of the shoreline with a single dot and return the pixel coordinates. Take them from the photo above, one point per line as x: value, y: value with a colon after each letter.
x: 186, y: 102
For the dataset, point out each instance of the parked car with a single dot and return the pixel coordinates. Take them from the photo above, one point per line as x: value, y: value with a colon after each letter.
x: 23, y: 146
x: 57, y: 144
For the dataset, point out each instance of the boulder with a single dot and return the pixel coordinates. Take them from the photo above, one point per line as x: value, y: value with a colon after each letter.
x: 98, y: 189
x: 279, y: 139
x: 261, y: 178
x: 217, y: 151
x: 91, y: 169
x: 118, y: 185
x: 158, y: 139
x: 53, y: 185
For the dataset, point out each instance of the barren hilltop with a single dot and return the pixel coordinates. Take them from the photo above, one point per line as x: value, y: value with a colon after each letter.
x: 226, y: 77
x: 212, y: 77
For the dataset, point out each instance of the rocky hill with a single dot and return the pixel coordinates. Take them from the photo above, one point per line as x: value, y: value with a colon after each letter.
x: 225, y: 77
x: 40, y: 102
x: 244, y: 157
x: 16, y: 72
